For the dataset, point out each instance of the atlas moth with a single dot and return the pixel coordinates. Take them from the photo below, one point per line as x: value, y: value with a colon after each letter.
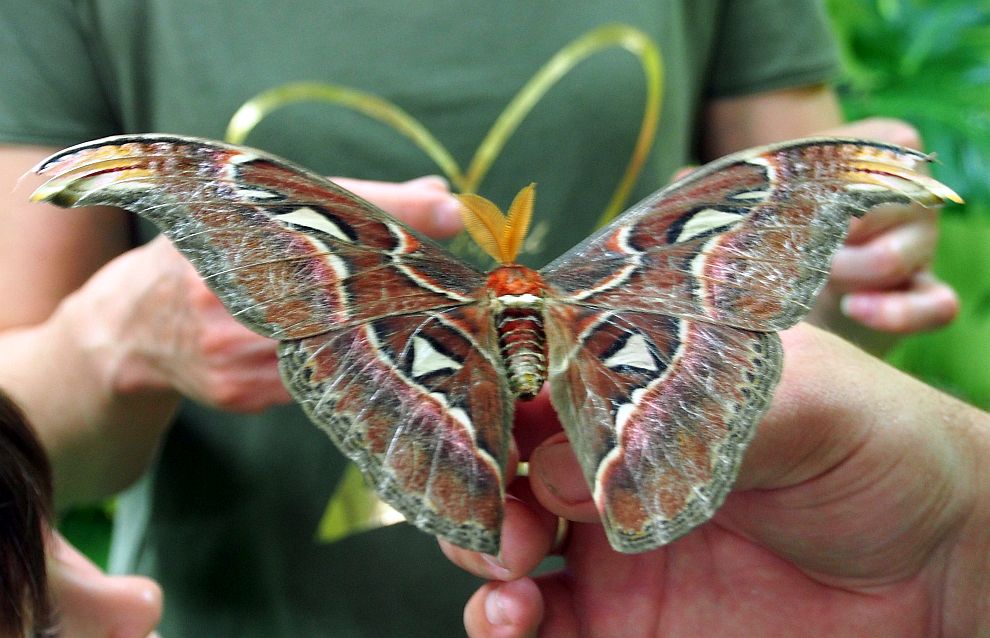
x: 657, y: 334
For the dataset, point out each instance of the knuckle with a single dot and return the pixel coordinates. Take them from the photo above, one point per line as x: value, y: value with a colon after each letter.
x: 226, y: 394
x: 415, y: 212
x: 246, y: 394
x: 897, y: 131
x: 430, y: 183
x: 888, y: 263
x: 213, y: 344
x: 905, y: 134
x: 897, y: 319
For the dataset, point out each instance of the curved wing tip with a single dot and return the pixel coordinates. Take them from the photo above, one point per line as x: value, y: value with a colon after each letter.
x: 45, y: 193
x: 947, y: 194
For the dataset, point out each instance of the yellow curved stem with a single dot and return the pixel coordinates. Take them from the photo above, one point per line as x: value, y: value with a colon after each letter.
x: 260, y: 106
x: 607, y: 37
x: 600, y: 39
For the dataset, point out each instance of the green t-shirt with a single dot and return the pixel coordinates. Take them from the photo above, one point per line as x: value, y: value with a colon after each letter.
x: 226, y: 518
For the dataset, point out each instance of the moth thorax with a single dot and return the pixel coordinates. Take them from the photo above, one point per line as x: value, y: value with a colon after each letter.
x: 518, y: 293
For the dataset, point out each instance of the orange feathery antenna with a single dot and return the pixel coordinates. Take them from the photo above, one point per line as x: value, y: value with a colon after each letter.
x: 501, y: 236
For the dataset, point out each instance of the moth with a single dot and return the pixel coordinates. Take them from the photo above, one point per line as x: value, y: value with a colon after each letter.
x: 657, y: 334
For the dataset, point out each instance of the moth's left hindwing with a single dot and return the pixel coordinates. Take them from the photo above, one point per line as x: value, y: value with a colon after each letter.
x: 663, y: 352
x: 659, y: 410
x: 420, y: 403
x: 384, y: 342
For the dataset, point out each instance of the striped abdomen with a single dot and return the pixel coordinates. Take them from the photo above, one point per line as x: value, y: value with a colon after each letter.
x: 518, y: 296
x: 524, y: 349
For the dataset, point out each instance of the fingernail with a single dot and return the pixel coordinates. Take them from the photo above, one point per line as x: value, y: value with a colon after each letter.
x: 560, y: 472
x: 859, y: 307
x: 875, y: 311
x: 495, y: 566
x: 431, y: 181
x: 495, y: 609
x: 447, y: 216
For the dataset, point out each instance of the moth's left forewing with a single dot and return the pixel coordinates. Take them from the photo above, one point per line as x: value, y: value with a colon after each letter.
x: 288, y: 252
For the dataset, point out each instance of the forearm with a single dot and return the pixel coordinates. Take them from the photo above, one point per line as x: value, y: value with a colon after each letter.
x: 966, y: 591
x: 99, y: 438
x: 732, y: 124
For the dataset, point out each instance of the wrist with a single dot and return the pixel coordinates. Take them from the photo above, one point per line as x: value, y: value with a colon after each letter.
x: 107, y: 425
x: 103, y: 326
x: 828, y: 315
x: 966, y: 588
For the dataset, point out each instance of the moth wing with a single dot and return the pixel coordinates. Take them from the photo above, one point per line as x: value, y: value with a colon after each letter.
x: 384, y: 342
x: 420, y: 402
x: 659, y: 410
x: 290, y: 253
x: 747, y: 240
x: 661, y: 327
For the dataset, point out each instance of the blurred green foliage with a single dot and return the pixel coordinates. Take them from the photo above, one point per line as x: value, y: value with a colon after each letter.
x: 928, y: 62
x: 88, y: 528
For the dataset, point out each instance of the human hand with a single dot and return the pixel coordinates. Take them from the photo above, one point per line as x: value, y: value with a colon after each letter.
x: 882, y: 278
x: 153, y: 323
x: 91, y: 604
x: 861, y: 510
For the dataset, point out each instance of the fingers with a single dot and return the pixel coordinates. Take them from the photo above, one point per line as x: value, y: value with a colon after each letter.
x: 90, y: 603
x: 504, y: 610
x: 925, y: 304
x: 683, y: 172
x: 884, y: 271
x: 555, y: 477
x: 535, y: 421
x: 512, y: 605
x: 884, y: 129
x: 168, y: 330
x: 885, y: 217
x: 558, y: 483
x: 527, y: 533
x: 881, y: 279
x: 224, y: 364
x: 424, y: 203
x: 891, y: 243
x: 887, y: 279
x: 902, y: 243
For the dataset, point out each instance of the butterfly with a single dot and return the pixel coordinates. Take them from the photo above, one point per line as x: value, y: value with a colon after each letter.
x: 657, y: 334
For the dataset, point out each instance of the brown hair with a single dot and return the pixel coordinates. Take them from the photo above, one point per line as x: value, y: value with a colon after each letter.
x: 25, y: 516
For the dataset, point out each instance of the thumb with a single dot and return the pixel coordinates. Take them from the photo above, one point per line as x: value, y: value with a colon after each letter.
x: 820, y: 414
x: 425, y: 203
x: 884, y: 129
